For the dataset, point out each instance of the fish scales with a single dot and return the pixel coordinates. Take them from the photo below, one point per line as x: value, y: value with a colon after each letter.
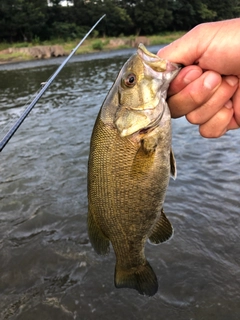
x: 128, y: 175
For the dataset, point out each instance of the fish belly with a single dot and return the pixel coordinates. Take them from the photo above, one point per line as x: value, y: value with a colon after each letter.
x: 126, y: 189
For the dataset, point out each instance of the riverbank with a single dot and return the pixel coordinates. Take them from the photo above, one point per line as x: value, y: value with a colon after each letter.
x: 19, y: 52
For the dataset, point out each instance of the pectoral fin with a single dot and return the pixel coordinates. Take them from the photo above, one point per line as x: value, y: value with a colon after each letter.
x: 149, y: 144
x: 173, y: 166
x: 99, y: 241
x: 162, y: 230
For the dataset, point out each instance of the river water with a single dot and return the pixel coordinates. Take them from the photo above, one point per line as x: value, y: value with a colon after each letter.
x: 48, y: 269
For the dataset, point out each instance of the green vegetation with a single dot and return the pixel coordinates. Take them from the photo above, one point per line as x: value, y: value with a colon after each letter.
x: 15, y: 56
x: 97, y: 45
x: 166, y: 37
x: 34, y: 21
x: 89, y: 45
x: 25, y: 23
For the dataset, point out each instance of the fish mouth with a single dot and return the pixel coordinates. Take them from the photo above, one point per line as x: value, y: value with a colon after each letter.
x: 157, y: 63
x: 146, y: 116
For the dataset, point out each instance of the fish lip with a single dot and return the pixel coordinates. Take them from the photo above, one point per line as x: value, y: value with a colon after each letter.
x: 149, y: 58
x: 163, y: 72
x: 172, y: 66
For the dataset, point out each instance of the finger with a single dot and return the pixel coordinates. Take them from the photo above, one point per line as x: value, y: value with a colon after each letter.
x: 178, y: 51
x: 217, y: 125
x: 236, y: 104
x: 219, y: 99
x: 206, y: 45
x: 185, y: 76
x: 233, y: 124
x: 194, y: 94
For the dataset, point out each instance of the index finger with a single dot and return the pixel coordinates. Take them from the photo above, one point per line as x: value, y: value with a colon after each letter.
x: 185, y: 76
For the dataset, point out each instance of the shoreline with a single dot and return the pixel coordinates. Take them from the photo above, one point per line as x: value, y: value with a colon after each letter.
x: 46, y: 51
x: 17, y: 65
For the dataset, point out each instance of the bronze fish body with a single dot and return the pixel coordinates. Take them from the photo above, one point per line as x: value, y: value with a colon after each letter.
x: 130, y: 163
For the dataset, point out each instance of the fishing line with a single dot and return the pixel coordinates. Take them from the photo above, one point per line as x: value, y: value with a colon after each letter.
x: 14, y: 128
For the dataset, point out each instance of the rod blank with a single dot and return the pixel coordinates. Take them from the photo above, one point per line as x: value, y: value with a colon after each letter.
x: 14, y: 128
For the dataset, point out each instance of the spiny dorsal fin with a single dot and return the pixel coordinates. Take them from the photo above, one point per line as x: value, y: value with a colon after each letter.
x: 98, y: 240
x: 141, y: 278
x: 162, y: 230
x: 173, y: 165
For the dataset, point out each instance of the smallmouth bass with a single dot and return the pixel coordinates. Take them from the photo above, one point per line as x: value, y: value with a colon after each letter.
x: 129, y: 166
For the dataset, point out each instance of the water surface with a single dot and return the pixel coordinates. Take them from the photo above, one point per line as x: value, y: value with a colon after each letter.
x: 48, y: 269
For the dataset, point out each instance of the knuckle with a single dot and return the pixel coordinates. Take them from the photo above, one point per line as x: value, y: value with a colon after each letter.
x: 193, y: 118
x: 214, y: 128
x: 209, y: 132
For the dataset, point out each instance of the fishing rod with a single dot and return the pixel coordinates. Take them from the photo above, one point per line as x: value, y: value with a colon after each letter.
x: 14, y: 128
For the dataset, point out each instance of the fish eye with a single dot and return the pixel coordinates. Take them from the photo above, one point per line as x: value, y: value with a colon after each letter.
x: 130, y: 80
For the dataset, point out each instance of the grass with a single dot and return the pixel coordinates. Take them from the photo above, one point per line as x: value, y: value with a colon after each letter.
x: 165, y: 38
x: 88, y: 46
x: 14, y: 57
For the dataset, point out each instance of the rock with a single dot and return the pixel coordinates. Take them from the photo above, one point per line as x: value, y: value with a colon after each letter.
x: 39, y: 52
x: 132, y: 42
x: 138, y: 40
x: 58, y: 51
x: 117, y: 42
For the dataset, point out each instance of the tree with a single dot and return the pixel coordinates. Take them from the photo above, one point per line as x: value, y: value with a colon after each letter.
x: 151, y: 16
x: 22, y: 19
x: 187, y: 14
x: 34, y: 19
x: 30, y: 18
x: 225, y: 9
x: 117, y: 20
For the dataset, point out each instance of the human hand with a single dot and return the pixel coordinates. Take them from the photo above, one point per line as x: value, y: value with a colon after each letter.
x: 207, y: 93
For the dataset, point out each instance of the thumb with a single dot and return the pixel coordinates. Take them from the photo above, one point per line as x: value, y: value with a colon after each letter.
x: 183, y: 50
x: 178, y: 52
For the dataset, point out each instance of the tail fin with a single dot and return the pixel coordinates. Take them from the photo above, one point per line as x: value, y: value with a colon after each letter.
x: 142, y: 278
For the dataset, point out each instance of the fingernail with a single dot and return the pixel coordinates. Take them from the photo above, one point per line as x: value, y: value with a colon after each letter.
x: 212, y: 80
x: 231, y: 80
x: 228, y: 104
x: 192, y: 75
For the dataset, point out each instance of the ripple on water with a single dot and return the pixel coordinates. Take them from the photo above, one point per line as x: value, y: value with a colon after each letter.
x: 48, y: 268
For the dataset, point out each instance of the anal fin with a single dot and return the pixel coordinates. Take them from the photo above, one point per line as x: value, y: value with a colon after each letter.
x: 99, y: 241
x: 162, y: 230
